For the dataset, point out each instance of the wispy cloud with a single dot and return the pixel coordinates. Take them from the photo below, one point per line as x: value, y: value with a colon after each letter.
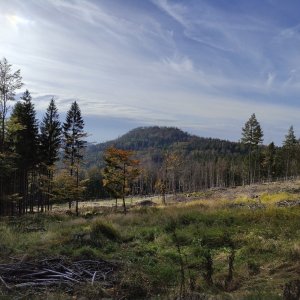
x: 270, y: 79
x: 174, y: 10
x: 196, y: 64
x: 290, y: 32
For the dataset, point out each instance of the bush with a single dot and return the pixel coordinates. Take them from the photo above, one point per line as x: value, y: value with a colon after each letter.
x: 86, y: 252
x: 100, y: 229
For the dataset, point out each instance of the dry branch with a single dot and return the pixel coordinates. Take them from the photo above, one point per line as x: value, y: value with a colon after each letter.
x: 56, y: 272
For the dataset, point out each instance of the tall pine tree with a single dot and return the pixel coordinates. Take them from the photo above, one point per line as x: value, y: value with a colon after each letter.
x: 50, y: 140
x: 26, y: 140
x: 26, y: 145
x: 50, y: 135
x: 252, y: 136
x: 289, y: 150
x: 74, y: 143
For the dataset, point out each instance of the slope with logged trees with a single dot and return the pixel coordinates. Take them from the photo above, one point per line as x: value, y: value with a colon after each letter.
x: 200, y: 162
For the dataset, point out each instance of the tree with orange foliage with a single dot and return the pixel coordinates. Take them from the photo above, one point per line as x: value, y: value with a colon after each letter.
x: 120, y: 171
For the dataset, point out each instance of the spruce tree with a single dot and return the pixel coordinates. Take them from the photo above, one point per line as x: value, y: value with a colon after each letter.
x: 252, y: 136
x: 289, y: 150
x: 50, y: 135
x: 74, y: 143
x: 26, y: 144
x: 26, y: 140
x: 50, y: 140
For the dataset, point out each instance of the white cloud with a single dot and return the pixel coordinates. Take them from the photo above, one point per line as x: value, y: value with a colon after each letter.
x: 180, y: 64
x: 270, y: 79
x: 174, y: 10
x: 290, y: 33
x: 210, y: 64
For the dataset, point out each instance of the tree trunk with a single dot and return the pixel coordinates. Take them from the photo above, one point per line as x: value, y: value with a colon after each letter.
x: 123, y: 188
x: 77, y: 186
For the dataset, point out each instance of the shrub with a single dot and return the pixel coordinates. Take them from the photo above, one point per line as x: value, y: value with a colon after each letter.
x: 86, y: 252
x: 100, y: 229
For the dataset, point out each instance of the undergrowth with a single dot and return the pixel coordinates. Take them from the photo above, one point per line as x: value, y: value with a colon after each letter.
x: 182, y: 250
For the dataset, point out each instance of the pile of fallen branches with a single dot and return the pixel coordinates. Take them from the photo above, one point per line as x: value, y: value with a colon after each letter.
x: 56, y: 272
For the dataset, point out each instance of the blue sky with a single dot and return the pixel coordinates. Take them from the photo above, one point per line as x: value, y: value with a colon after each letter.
x: 201, y: 65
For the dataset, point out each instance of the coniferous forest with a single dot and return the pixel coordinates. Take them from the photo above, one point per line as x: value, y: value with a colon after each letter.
x: 155, y: 213
x: 48, y: 161
x: 30, y: 149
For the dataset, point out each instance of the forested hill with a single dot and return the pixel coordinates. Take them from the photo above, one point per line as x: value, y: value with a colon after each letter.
x: 158, y: 139
x: 143, y: 138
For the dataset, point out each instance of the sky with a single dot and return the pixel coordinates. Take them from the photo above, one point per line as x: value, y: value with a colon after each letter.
x: 200, y: 65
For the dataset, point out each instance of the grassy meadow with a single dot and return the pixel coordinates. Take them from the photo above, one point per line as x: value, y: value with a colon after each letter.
x: 202, y: 248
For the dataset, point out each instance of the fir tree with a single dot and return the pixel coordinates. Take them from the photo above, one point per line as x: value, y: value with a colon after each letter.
x: 26, y: 140
x: 289, y: 150
x: 50, y: 135
x: 50, y: 139
x: 252, y: 136
x: 26, y: 144
x: 73, y: 135
x: 74, y: 143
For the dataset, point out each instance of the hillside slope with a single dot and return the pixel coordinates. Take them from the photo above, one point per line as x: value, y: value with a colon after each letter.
x: 156, y: 140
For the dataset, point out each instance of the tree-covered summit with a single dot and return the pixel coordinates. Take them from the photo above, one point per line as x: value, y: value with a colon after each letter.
x: 143, y: 138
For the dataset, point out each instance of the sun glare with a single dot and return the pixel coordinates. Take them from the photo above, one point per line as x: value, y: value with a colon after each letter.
x: 17, y: 20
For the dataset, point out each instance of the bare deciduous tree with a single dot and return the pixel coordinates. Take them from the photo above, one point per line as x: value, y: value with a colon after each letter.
x: 9, y: 82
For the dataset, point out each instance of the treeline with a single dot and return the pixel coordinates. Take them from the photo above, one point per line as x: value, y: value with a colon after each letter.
x: 185, y: 163
x: 43, y: 162
x: 29, y: 150
x: 222, y: 164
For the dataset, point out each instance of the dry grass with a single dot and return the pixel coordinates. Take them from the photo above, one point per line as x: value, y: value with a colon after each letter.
x: 145, y: 242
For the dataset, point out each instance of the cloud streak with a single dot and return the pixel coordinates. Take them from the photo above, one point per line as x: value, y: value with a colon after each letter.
x: 194, y: 64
